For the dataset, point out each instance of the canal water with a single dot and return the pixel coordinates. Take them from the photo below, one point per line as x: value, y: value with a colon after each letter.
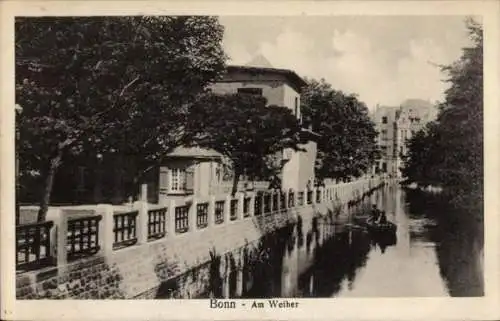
x: 434, y: 254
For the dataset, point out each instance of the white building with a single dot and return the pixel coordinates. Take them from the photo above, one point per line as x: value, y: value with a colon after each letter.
x: 396, y: 125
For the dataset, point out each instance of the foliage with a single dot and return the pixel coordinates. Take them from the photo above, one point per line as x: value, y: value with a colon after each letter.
x: 452, y: 148
x: 347, y: 145
x: 420, y: 147
x: 95, y: 86
x: 246, y: 131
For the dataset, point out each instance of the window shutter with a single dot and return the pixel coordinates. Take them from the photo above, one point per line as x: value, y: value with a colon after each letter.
x: 189, y: 180
x: 163, y: 181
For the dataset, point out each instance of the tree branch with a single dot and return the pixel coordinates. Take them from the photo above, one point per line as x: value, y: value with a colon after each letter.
x: 69, y: 141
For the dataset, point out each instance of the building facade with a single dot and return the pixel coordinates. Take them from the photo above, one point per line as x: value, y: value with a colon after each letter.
x: 395, y: 126
x: 281, y: 87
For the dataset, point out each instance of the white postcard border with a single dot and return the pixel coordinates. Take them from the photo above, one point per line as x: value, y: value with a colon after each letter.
x: 485, y: 308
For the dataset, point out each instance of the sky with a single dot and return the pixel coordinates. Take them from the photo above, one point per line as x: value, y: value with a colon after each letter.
x: 383, y: 59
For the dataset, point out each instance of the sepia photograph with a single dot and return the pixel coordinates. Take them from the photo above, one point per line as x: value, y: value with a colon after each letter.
x: 248, y: 161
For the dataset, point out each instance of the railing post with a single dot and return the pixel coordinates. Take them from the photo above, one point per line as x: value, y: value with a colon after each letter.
x: 106, y: 234
x: 142, y: 217
x: 142, y: 221
x: 252, y: 205
x: 278, y: 201
x: 271, y: 202
x: 262, y: 203
x: 171, y: 218
x: 58, y: 235
x: 227, y: 208
x: 241, y: 206
x: 211, y: 212
x: 286, y: 205
x: 192, y: 214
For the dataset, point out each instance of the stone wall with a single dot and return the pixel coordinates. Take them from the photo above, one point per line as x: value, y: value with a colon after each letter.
x: 147, y: 270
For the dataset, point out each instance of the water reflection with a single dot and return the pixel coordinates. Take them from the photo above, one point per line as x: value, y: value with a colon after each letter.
x: 430, y: 255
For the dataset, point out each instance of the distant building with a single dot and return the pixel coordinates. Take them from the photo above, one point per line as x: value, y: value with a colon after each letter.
x: 385, y: 121
x: 396, y: 125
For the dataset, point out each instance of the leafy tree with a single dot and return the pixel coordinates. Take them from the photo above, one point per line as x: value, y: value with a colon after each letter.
x: 347, y: 145
x: 100, y: 86
x: 420, y: 147
x: 453, y: 146
x: 246, y: 131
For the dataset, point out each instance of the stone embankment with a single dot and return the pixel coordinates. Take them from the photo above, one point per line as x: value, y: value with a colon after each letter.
x: 146, y: 270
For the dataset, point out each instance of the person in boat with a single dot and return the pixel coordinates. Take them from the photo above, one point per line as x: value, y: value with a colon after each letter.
x: 375, y: 213
x: 383, y: 218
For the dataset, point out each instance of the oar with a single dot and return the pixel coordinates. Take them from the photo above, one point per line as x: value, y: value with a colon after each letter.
x: 354, y: 226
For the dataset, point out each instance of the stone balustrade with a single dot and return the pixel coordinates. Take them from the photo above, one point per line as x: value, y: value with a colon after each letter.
x: 182, y: 231
x: 109, y: 231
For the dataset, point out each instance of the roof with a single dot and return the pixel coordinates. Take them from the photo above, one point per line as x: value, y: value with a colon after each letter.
x: 259, y: 61
x: 194, y: 152
x: 295, y: 79
x: 416, y: 104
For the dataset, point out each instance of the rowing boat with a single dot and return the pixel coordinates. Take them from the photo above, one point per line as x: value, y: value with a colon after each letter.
x: 387, y: 227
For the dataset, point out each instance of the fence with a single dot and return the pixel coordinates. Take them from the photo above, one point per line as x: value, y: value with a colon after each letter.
x: 202, y: 215
x: 33, y: 245
x: 233, y: 209
x: 106, y: 231
x: 300, y: 198
x: 83, y: 236
x: 246, y: 206
x: 181, y: 219
x: 219, y: 212
x: 226, y: 187
x: 157, y: 223
x: 125, y: 229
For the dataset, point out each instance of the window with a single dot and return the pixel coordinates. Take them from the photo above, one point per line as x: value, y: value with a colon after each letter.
x: 177, y: 179
x: 296, y: 106
x: 384, y: 120
x: 250, y: 91
x: 384, y: 134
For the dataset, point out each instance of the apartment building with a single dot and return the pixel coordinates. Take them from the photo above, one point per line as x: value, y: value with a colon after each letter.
x: 396, y: 125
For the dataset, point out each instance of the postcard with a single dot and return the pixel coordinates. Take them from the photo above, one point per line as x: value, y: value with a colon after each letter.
x: 250, y: 160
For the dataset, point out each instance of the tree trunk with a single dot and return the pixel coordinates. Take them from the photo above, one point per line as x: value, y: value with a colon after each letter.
x: 236, y: 178
x: 49, y: 182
